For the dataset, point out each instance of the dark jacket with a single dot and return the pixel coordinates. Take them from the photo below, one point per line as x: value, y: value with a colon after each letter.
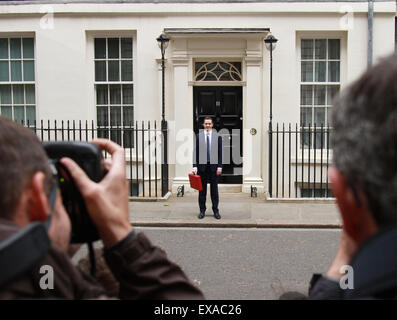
x: 142, y: 269
x: 200, y: 151
x: 374, y: 272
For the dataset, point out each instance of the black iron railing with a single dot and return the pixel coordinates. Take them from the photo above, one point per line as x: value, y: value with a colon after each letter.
x: 143, y: 144
x: 299, y: 158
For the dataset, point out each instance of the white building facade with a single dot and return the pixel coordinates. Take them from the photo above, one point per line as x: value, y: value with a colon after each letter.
x: 99, y: 61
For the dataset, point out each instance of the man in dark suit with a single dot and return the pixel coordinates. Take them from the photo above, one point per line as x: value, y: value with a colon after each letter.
x: 207, y: 163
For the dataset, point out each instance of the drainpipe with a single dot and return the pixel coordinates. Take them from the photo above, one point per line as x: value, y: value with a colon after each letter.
x: 370, y: 31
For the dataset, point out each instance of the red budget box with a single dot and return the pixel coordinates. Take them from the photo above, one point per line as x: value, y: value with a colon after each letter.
x: 195, y: 181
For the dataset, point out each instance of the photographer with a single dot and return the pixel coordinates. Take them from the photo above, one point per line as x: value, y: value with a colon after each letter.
x: 142, y: 269
x: 364, y: 182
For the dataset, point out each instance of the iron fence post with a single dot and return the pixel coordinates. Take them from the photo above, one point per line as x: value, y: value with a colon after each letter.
x: 270, y: 158
x: 164, y: 165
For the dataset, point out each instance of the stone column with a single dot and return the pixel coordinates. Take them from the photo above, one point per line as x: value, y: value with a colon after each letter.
x: 253, y: 118
x: 181, y: 130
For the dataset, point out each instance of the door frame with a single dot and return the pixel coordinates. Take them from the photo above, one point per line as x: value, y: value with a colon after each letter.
x: 241, y: 133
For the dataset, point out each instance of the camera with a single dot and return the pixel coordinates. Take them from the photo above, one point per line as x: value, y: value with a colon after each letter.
x: 89, y: 157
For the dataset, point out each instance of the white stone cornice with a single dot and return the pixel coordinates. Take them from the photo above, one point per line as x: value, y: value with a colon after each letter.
x: 253, y: 61
x: 180, y: 60
x: 59, y: 6
x: 177, y: 62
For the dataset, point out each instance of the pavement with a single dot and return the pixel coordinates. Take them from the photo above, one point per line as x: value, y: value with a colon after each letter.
x: 238, y: 210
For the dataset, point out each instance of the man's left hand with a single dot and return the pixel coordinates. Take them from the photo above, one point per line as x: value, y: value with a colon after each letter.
x: 218, y: 172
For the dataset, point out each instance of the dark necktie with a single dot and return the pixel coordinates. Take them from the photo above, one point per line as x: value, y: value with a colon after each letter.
x: 208, y: 148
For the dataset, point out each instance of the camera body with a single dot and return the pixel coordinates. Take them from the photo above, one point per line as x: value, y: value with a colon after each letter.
x: 89, y: 157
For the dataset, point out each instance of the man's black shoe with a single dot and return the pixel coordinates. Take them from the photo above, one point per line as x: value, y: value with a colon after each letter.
x: 217, y: 215
x: 201, y: 215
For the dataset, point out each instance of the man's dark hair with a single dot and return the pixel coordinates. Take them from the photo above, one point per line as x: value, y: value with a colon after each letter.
x: 365, y: 138
x: 208, y: 118
x: 21, y: 156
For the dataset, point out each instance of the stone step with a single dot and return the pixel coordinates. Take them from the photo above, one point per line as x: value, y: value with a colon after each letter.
x: 229, y: 188
x: 222, y: 188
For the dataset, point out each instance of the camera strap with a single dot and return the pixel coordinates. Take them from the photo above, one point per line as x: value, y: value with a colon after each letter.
x: 23, y: 249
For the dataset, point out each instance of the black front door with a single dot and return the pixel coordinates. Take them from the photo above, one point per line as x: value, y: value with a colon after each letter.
x: 224, y: 105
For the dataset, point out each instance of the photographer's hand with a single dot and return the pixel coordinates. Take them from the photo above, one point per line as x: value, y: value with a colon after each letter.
x: 106, y: 201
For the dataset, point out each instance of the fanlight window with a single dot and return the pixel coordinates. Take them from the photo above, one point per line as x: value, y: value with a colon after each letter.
x: 218, y: 71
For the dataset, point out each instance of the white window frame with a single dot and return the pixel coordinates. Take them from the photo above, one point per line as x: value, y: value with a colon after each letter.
x: 301, y: 35
x: 12, y: 83
x: 109, y: 83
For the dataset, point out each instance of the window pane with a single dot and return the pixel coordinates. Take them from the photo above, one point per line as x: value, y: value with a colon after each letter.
x: 115, y: 135
x: 7, y: 112
x: 28, y: 48
x: 5, y: 94
x: 102, y: 94
x: 306, y: 193
x: 16, y: 71
x: 128, y: 116
x: 102, y: 116
x: 126, y: 47
x: 305, y: 142
x: 113, y: 48
x: 320, y: 49
x: 4, y: 71
x: 307, y: 71
x: 319, y: 95
x: 319, y: 116
x: 306, y: 116
x: 30, y: 115
x: 126, y: 70
x: 315, y: 137
x: 329, y: 139
x: 103, y: 133
x: 319, y: 139
x: 100, y: 48
x: 3, y: 48
x: 114, y: 70
x: 115, y: 116
x: 128, y: 138
x: 15, y: 48
x: 332, y: 91
x: 128, y: 94
x: 18, y: 95
x: 30, y: 94
x: 320, y: 69
x: 307, y: 95
x: 307, y: 49
x: 28, y: 71
x: 100, y: 71
x: 333, y: 49
x: 19, y: 114
x: 333, y: 71
x: 115, y: 94
x: 329, y: 119
x: 319, y: 193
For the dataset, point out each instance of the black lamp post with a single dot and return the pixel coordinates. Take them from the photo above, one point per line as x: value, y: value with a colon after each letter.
x: 270, y: 42
x: 163, y: 42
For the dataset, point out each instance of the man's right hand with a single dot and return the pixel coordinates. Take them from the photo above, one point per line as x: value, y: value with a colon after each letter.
x: 194, y: 171
x: 106, y: 201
